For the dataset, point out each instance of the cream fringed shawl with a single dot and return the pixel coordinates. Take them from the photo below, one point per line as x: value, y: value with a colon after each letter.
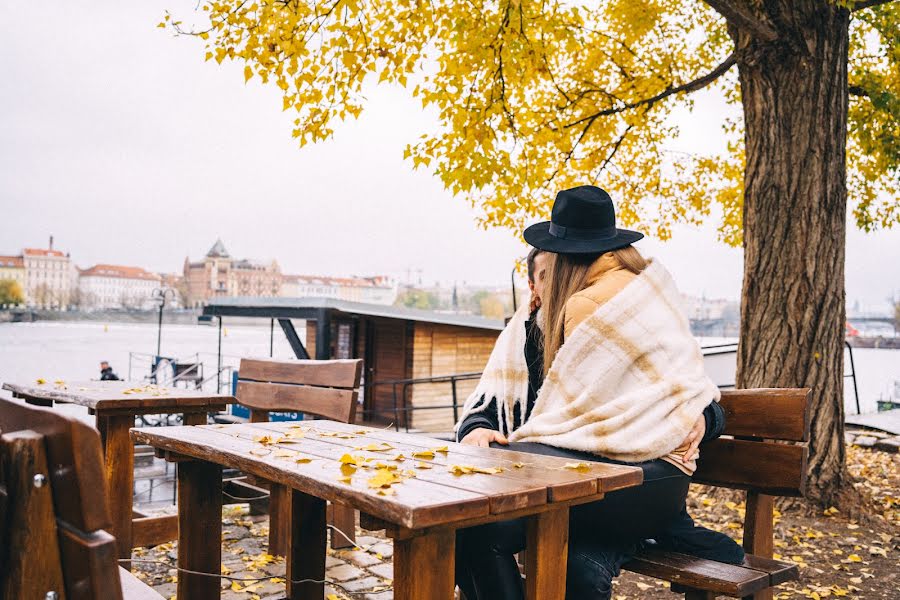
x: 627, y: 384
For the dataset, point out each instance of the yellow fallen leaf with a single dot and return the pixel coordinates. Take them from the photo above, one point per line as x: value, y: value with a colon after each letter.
x: 331, y: 597
x: 260, y: 451
x: 854, y: 558
x: 518, y: 465
x: 423, y: 454
x: 442, y: 449
x: 41, y: 381
x: 488, y: 470
x: 579, y: 466
x: 386, y: 492
x: 236, y: 587
x: 303, y: 461
x: 380, y: 447
x: 264, y: 439
x: 283, y: 454
x: 422, y: 465
x: 59, y: 382
x: 399, y: 458
x: 348, y: 460
x: 383, y: 478
x: 344, y: 479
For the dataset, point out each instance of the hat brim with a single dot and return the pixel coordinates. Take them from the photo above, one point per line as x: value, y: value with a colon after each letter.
x: 538, y: 235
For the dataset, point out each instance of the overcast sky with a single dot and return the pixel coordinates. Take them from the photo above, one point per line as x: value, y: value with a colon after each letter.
x: 124, y: 144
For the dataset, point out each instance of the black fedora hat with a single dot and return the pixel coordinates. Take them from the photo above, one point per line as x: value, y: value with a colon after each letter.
x: 583, y: 221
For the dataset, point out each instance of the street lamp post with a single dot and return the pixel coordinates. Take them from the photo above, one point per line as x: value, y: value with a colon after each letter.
x: 160, y: 295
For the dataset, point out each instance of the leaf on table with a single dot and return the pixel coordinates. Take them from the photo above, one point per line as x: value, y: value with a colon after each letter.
x: 383, y: 478
x: 264, y: 439
x: 423, y: 454
x: 386, y: 492
x: 381, y: 465
x: 260, y: 451
x: 236, y: 587
x: 379, y: 447
x: 518, y: 465
x: 336, y: 434
x: 303, y: 460
x: 59, y: 382
x: 348, y: 459
x: 442, y: 449
x: 399, y: 458
x: 332, y: 597
x: 487, y: 470
x: 284, y: 453
x: 344, y: 479
x: 422, y: 465
x: 579, y: 466
x: 361, y: 431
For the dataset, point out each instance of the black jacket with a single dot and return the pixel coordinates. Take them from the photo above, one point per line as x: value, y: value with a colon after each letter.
x: 713, y: 414
x: 108, y: 375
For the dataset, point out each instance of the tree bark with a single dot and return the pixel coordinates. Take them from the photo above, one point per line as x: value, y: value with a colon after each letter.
x: 794, y: 93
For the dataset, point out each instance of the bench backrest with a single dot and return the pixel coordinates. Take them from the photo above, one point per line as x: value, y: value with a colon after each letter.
x: 53, y: 508
x: 765, y: 453
x: 766, y: 449
x: 325, y: 388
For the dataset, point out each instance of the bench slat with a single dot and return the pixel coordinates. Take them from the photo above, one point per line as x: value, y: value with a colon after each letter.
x: 766, y: 467
x: 767, y: 413
x: 778, y: 571
x: 326, y: 402
x: 135, y: 589
x: 690, y: 571
x: 325, y: 373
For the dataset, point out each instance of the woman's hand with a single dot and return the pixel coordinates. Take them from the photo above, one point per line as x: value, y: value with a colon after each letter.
x: 483, y: 437
x: 692, y: 441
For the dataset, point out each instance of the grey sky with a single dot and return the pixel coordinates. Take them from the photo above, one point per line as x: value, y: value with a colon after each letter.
x: 124, y: 144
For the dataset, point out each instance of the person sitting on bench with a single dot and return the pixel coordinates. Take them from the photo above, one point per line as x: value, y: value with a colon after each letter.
x: 610, y: 393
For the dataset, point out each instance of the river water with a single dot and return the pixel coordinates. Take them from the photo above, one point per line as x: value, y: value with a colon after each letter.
x: 72, y: 350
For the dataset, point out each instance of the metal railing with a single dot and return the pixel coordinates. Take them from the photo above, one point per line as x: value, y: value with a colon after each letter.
x: 400, y: 400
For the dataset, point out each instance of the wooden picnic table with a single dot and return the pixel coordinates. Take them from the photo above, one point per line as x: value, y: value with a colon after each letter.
x: 115, y: 404
x: 329, y: 461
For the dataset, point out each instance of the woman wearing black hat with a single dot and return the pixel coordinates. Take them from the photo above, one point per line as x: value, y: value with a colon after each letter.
x: 615, y: 376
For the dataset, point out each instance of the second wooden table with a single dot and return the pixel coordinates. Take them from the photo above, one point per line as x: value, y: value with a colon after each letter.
x: 116, y: 404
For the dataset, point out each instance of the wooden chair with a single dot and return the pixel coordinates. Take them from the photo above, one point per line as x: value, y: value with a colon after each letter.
x: 325, y: 388
x: 54, y: 512
x: 765, y: 454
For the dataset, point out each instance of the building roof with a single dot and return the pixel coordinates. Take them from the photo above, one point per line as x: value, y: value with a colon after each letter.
x: 308, y: 308
x: 218, y: 250
x: 42, y: 252
x: 12, y: 262
x: 118, y: 271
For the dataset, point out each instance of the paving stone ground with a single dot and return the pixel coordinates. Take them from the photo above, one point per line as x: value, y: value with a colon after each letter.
x: 360, y: 573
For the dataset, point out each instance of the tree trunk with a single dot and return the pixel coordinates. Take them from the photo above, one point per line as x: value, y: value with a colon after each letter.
x: 794, y: 92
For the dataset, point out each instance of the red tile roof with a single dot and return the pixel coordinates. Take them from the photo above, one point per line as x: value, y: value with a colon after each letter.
x: 12, y: 262
x: 118, y: 271
x: 42, y: 252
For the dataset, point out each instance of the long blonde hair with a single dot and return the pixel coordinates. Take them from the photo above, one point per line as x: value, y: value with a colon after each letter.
x: 568, y: 275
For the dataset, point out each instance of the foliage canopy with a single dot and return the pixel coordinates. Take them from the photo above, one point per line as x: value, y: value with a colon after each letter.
x: 533, y: 97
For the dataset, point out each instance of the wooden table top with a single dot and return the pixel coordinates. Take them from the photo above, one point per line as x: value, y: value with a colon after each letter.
x: 407, y: 480
x: 117, y: 395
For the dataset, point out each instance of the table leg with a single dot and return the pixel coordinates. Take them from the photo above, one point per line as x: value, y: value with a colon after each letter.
x: 118, y: 452
x: 424, y: 566
x: 547, y: 546
x: 194, y: 418
x: 306, y: 546
x: 199, y: 529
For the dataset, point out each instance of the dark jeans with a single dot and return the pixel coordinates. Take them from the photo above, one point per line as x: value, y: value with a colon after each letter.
x: 602, y: 535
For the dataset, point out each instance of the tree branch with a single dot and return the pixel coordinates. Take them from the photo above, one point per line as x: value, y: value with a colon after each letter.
x: 688, y: 87
x: 738, y: 14
x: 855, y: 90
x: 864, y: 4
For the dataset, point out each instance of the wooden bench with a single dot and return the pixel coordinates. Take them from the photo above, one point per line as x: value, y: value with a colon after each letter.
x: 324, y: 388
x: 764, y: 453
x: 54, y: 512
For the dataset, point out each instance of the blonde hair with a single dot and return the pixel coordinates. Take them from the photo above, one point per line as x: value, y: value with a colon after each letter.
x: 567, y: 275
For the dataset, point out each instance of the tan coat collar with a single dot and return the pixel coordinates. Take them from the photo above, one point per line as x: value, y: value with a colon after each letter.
x: 604, y: 264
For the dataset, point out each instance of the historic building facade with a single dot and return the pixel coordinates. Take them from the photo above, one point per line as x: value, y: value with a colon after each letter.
x: 371, y: 290
x: 116, y: 286
x: 218, y: 274
x: 49, y: 278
